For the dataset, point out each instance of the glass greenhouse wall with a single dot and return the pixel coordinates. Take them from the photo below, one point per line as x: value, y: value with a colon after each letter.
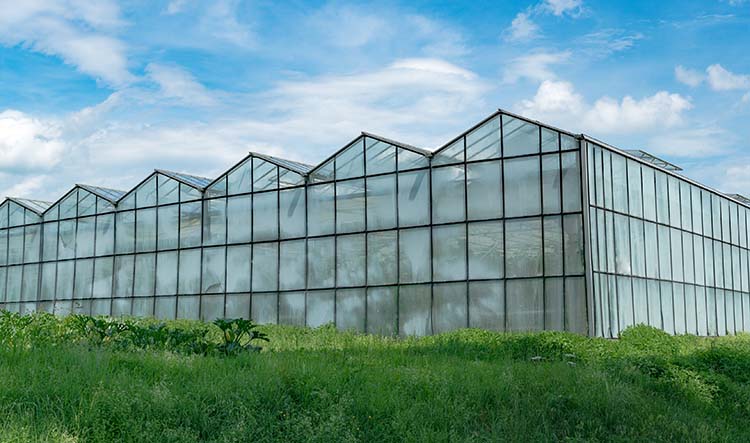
x: 512, y: 226
x: 665, y: 251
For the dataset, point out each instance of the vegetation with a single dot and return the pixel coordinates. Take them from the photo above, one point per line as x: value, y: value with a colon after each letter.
x: 80, y: 379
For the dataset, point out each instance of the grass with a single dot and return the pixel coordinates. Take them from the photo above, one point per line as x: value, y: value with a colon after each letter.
x: 329, y: 386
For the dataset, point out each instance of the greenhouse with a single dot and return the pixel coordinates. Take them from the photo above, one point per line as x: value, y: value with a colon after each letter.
x: 513, y: 226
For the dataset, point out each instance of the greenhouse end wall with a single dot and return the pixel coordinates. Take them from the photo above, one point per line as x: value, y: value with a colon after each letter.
x: 665, y: 251
x: 382, y: 237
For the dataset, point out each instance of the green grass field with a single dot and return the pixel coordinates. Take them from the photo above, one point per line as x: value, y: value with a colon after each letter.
x: 328, y: 386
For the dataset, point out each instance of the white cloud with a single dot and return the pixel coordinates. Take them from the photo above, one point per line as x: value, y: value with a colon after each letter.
x: 178, y: 84
x: 220, y: 20
x: 74, y: 30
x: 688, y: 76
x: 557, y: 101
x: 720, y: 79
x: 522, y: 28
x: 604, y: 42
x: 29, y: 144
x: 348, y: 26
x: 560, y: 7
x: 425, y: 101
x: 535, y: 66
x: 26, y: 188
x: 176, y: 6
x: 698, y: 142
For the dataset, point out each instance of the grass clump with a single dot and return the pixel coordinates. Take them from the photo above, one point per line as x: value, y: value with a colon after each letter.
x: 325, y: 385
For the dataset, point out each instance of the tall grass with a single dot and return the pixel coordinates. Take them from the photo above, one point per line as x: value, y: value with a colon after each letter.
x: 329, y: 386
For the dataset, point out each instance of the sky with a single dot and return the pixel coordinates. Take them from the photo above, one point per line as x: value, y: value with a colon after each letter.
x: 102, y: 93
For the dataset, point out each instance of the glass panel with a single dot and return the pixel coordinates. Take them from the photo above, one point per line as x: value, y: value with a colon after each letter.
x: 189, y: 281
x: 265, y: 267
x: 214, y: 221
x: 213, y: 270
x: 289, y: 178
x: 414, y: 259
x: 168, y: 191
x: 292, y: 308
x: 649, y: 193
x: 449, y: 252
x: 239, y: 219
x: 144, y: 275
x: 571, y: 177
x: 67, y: 206
x: 350, y: 162
x: 448, y: 194
x: 49, y: 247
x: 166, y: 273
x: 265, y: 175
x: 350, y: 309
x: 484, y: 142
x: 550, y: 140
x: 553, y: 244
x: 622, y: 245
x: 662, y: 198
x: 380, y: 156
x: 292, y: 267
x: 382, y: 258
x: 125, y: 232
x: 239, y: 179
x: 168, y: 220
x: 411, y: 160
x: 32, y: 243
x: 190, y: 224
x: 238, y: 268
x: 217, y: 189
x: 413, y: 198
x: 264, y: 309
x: 238, y: 306
x: 522, y: 187
x: 146, y: 193
x: 554, y: 299
x: 65, y: 247
x: 619, y: 184
x: 86, y: 203
x: 449, y: 307
x: 320, y: 262
x: 382, y: 311
x: 292, y: 215
x: 486, y: 250
x: 487, y: 305
x: 573, y: 244
x: 484, y: 188
x: 323, y: 172
x: 450, y: 154
x: 350, y: 206
x: 145, y: 230
x: 124, y: 268
x: 415, y: 316
x: 105, y: 234
x: 523, y: 242
x: 350, y: 260
x: 103, y: 270
x: 31, y: 281
x: 381, y: 202
x: 320, y: 308
x: 320, y: 209
x: 265, y: 216
x: 551, y: 187
x: 188, y: 193
x: 519, y: 137
x: 674, y: 202
x: 525, y: 304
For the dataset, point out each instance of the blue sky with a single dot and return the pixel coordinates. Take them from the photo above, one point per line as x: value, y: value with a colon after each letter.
x: 104, y: 92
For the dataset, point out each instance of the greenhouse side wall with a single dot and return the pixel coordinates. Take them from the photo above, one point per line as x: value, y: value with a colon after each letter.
x: 665, y: 251
x: 487, y: 232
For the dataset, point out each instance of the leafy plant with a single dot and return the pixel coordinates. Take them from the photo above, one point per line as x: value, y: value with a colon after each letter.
x: 238, y: 335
